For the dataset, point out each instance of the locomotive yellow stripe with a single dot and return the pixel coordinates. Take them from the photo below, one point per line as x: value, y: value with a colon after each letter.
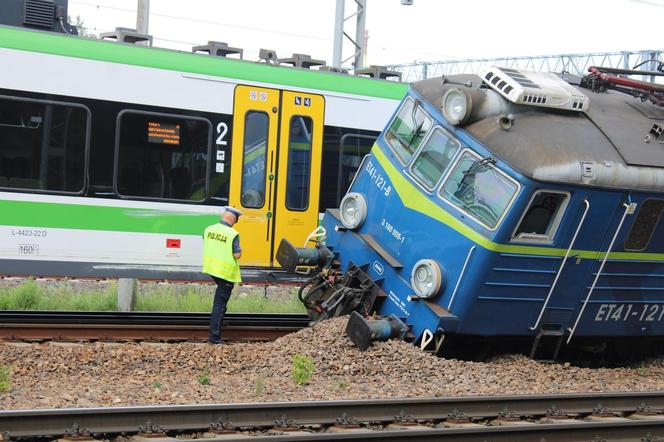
x: 412, y: 198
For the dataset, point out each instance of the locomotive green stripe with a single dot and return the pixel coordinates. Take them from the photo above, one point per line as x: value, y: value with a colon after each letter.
x: 90, y: 217
x: 412, y: 198
x: 91, y: 49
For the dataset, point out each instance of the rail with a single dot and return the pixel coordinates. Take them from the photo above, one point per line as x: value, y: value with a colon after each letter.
x: 65, y: 325
x: 569, y: 417
x: 629, y: 208
x: 463, y: 271
x: 562, y: 265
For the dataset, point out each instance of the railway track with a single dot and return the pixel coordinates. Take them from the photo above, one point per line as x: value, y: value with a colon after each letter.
x: 76, y: 326
x: 575, y: 417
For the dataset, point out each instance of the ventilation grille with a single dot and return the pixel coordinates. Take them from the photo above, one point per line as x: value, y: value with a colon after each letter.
x: 39, y: 13
x: 534, y: 89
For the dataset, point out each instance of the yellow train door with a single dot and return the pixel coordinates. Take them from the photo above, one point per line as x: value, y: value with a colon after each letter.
x: 254, y: 152
x: 300, y: 152
x: 275, y: 168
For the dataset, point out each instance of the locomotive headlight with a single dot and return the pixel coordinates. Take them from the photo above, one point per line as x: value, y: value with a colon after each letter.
x: 353, y: 210
x: 456, y: 106
x: 426, y: 278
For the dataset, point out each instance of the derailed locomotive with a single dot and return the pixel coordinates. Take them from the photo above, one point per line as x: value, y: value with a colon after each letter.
x: 513, y: 205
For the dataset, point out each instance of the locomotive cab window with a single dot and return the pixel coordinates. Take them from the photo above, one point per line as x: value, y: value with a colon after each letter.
x: 299, y: 163
x: 434, y: 157
x: 542, y: 217
x: 253, y: 163
x: 644, y: 225
x: 162, y: 156
x: 43, y: 145
x: 408, y: 130
x: 478, y: 189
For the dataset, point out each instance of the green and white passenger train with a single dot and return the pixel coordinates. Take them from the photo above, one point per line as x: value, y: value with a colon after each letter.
x: 114, y: 157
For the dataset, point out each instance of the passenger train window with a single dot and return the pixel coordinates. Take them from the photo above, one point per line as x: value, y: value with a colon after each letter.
x: 541, y: 219
x: 408, y: 130
x: 352, y: 149
x: 42, y: 145
x: 254, y: 159
x: 162, y: 156
x: 436, y: 154
x: 479, y: 189
x: 644, y: 225
x: 299, y: 163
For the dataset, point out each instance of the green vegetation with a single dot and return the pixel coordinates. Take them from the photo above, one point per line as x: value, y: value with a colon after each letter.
x: 151, y: 297
x: 303, y: 368
x: 5, y: 378
x: 156, y: 384
x: 204, y: 377
x: 260, y: 385
x: 31, y: 296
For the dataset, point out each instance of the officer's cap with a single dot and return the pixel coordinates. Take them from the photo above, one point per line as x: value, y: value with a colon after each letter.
x: 233, y: 210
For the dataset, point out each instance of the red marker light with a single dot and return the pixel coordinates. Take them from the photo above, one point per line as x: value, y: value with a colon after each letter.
x: 172, y: 243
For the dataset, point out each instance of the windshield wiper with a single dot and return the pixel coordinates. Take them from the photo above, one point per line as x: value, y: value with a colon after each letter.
x: 418, y: 130
x: 475, y: 168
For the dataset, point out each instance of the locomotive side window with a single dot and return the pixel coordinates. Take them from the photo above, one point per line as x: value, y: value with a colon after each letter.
x: 43, y: 145
x: 162, y: 156
x: 644, y: 225
x: 299, y: 163
x: 408, y: 130
x: 254, y: 159
x: 541, y: 219
x: 436, y: 154
x: 479, y: 189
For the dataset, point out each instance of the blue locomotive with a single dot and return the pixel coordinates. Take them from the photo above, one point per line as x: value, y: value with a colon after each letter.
x: 513, y: 205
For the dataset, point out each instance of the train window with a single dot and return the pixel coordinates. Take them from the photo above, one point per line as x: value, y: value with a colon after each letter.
x: 352, y: 149
x: 644, y: 225
x: 434, y: 157
x: 408, y: 129
x: 541, y: 219
x: 162, y: 156
x: 43, y: 145
x: 299, y: 163
x: 479, y: 189
x: 254, y: 159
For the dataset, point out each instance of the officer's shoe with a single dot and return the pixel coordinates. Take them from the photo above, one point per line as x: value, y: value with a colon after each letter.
x: 215, y: 341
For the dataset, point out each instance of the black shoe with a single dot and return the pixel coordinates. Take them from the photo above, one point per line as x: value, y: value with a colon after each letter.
x: 213, y: 341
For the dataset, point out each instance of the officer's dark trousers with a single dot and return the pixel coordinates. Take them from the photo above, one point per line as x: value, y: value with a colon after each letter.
x: 221, y: 297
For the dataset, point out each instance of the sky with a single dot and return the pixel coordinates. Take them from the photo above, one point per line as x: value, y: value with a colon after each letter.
x: 429, y: 30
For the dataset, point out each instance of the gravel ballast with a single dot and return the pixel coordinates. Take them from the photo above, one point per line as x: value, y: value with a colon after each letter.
x: 54, y: 375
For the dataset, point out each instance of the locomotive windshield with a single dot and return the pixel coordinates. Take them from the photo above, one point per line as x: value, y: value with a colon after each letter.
x: 479, y: 189
x: 433, y: 159
x: 408, y: 129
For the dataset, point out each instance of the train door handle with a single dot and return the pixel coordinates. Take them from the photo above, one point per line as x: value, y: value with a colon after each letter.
x: 268, y: 215
x: 270, y: 177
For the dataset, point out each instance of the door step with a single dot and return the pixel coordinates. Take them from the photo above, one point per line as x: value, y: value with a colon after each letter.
x: 548, y: 340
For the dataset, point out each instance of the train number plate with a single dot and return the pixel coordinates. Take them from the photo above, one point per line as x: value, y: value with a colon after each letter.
x: 630, y: 312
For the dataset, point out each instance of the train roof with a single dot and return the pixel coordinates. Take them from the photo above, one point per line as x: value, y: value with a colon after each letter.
x: 609, y: 145
x: 159, y: 58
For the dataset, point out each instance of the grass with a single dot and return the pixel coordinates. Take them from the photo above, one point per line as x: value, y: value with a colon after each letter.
x: 31, y: 296
x: 204, y: 377
x: 5, y: 378
x: 151, y: 297
x: 259, y: 387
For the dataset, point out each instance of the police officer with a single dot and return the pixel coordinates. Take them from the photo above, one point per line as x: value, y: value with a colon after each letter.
x: 221, y: 250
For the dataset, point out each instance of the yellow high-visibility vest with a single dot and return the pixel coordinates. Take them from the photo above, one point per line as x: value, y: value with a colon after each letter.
x: 218, y: 259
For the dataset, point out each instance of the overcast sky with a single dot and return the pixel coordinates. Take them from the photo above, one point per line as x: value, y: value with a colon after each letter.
x: 430, y: 30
